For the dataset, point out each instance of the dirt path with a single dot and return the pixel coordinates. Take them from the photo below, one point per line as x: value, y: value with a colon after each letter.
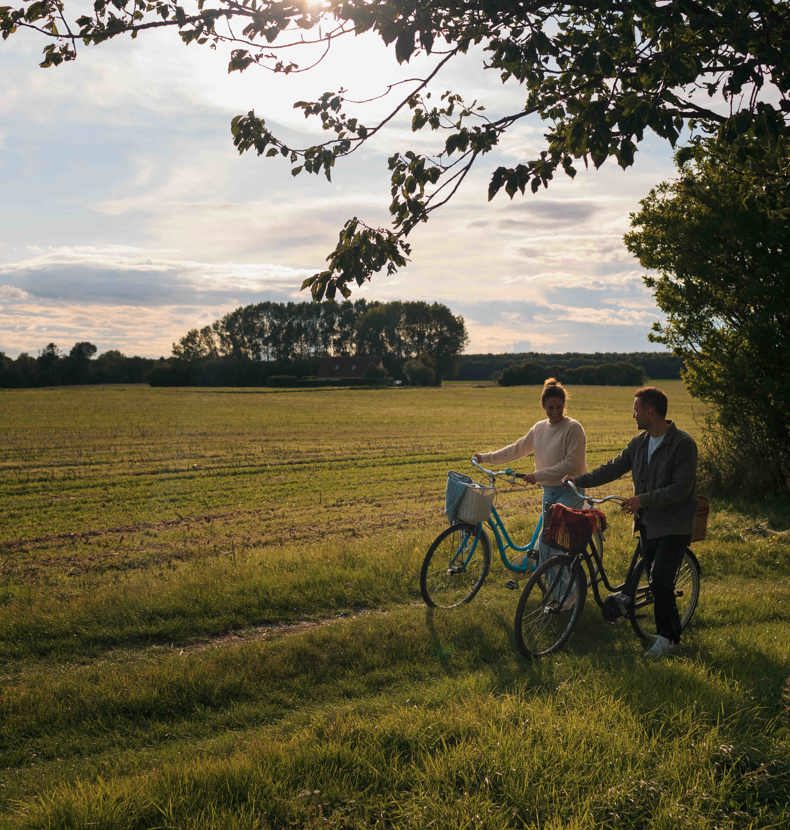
x: 264, y: 632
x: 273, y: 631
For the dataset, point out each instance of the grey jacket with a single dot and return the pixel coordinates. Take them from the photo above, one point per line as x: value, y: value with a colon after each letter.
x: 665, y: 486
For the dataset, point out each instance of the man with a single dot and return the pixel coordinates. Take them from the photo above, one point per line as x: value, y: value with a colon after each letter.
x: 663, y: 462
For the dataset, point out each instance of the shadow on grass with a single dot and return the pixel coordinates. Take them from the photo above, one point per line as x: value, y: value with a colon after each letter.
x: 460, y: 641
x: 775, y: 509
x: 737, y: 679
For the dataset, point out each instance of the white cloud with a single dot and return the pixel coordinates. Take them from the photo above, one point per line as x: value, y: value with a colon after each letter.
x: 123, y: 163
x: 593, y: 315
x: 12, y: 294
x: 133, y: 330
x: 148, y: 276
x: 507, y: 336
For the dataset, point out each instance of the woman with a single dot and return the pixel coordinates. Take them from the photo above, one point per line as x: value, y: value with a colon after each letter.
x: 558, y: 443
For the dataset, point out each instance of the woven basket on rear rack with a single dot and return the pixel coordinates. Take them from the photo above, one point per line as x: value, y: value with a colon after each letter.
x: 700, y: 527
x: 466, y: 501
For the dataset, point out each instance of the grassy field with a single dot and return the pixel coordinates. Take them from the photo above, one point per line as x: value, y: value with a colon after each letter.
x: 210, y: 618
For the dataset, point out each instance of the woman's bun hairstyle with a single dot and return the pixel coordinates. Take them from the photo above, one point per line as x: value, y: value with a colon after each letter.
x: 552, y: 388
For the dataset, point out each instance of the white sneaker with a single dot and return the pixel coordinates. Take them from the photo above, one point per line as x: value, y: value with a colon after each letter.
x: 661, y: 647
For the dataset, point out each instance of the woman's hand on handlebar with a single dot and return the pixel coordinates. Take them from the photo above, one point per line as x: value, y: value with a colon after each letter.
x: 512, y: 475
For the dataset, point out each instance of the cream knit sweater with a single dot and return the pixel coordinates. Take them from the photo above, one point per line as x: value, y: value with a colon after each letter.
x: 558, y: 448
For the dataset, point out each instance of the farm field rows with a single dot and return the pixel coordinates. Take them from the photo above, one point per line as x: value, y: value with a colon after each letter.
x: 210, y: 617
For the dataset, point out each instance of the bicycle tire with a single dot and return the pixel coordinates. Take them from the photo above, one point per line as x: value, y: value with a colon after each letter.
x: 546, y: 613
x: 687, y: 582
x: 445, y: 581
x: 596, y: 545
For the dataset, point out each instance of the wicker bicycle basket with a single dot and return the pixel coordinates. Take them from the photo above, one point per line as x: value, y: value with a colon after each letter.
x: 700, y: 527
x: 467, y: 501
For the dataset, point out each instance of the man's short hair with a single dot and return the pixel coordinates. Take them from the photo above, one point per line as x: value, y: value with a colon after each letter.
x: 652, y: 396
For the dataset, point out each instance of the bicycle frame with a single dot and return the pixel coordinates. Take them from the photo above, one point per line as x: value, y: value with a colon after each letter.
x: 553, y: 598
x: 597, y: 573
x: 504, y: 542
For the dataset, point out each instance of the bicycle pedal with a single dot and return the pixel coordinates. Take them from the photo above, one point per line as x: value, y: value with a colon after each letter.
x: 511, y: 584
x: 615, y: 606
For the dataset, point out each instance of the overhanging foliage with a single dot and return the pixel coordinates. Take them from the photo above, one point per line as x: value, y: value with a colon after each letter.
x: 599, y: 74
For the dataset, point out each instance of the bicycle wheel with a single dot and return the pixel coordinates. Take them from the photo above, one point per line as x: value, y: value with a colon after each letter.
x: 550, y: 604
x: 455, y: 566
x: 686, y: 596
x: 596, y: 546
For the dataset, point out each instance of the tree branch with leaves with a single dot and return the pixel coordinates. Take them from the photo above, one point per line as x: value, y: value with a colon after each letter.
x: 599, y: 74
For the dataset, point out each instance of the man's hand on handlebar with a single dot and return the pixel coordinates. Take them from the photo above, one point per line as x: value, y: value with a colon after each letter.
x: 631, y: 505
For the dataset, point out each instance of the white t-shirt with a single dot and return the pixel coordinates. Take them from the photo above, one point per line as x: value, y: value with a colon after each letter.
x: 653, y: 443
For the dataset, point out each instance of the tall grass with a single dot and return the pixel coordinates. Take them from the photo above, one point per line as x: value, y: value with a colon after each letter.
x: 209, y: 618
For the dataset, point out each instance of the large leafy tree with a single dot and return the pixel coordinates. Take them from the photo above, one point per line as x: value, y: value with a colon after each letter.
x: 599, y: 73
x: 717, y: 241
x: 396, y: 332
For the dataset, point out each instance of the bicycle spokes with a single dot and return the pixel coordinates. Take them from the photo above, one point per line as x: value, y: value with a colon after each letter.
x: 462, y: 555
x: 686, y: 593
x: 455, y: 566
x: 549, y: 607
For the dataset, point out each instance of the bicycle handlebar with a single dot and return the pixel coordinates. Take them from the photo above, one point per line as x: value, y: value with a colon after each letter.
x: 512, y: 474
x: 495, y: 473
x: 589, y: 499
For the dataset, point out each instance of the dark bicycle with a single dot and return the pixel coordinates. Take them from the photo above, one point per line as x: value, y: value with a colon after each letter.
x: 553, y: 599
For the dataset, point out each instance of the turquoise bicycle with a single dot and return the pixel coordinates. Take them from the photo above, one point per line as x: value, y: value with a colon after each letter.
x: 459, y: 558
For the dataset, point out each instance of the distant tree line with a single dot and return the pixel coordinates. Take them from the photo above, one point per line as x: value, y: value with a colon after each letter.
x: 80, y: 365
x: 241, y: 371
x: 603, y: 374
x: 270, y: 344
x: 416, y: 341
x: 536, y: 367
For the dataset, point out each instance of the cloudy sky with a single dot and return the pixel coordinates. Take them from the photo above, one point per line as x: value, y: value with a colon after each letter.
x: 127, y: 217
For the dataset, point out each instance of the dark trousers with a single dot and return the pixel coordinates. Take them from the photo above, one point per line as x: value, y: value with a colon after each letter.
x: 662, y: 559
